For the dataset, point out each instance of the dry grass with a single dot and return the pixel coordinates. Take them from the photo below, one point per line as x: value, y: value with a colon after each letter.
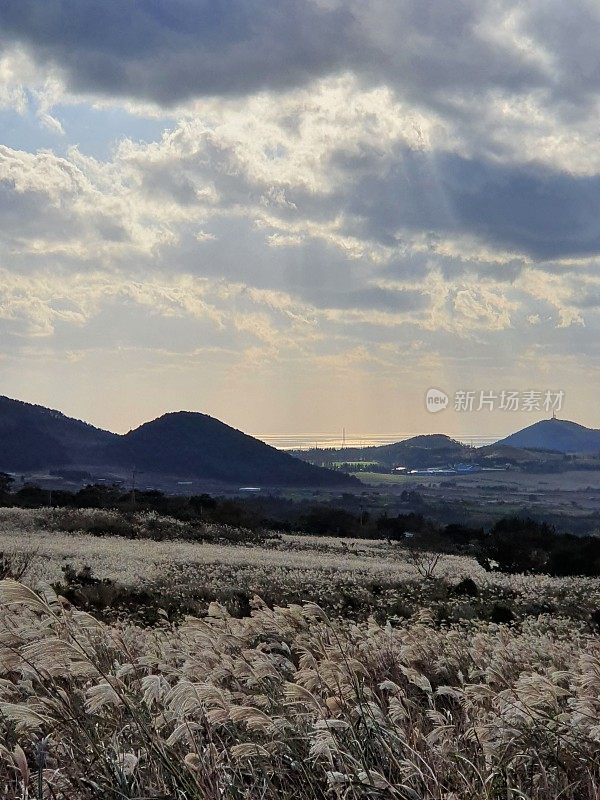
x: 287, y: 703
x: 133, y: 561
x: 292, y: 701
x: 345, y: 576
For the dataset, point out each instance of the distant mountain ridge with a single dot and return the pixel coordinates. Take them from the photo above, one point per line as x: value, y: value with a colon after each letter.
x: 182, y: 444
x: 552, y: 436
x: 188, y: 444
x: 559, y: 435
x: 418, y: 451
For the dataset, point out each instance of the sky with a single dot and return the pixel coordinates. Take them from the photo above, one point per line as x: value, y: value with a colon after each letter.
x: 301, y: 216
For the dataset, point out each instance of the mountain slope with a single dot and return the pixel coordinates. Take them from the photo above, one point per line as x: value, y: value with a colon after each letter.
x: 556, y: 434
x: 196, y: 445
x: 33, y: 437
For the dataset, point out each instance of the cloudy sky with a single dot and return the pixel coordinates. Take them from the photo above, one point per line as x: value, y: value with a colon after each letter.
x: 299, y: 215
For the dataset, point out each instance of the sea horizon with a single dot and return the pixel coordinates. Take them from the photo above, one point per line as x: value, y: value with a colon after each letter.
x: 307, y: 441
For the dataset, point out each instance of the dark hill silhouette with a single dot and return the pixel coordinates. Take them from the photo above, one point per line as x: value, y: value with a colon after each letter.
x: 34, y: 437
x: 182, y: 445
x: 193, y: 444
x: 559, y: 435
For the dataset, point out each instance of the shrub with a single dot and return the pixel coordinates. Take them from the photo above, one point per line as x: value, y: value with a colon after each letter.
x: 516, y: 545
x: 466, y: 588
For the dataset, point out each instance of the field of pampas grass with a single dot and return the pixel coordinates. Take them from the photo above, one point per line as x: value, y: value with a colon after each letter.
x: 305, y: 668
x: 288, y: 703
x: 350, y: 579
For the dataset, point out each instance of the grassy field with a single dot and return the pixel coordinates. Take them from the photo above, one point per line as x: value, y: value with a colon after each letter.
x: 306, y: 667
x: 349, y: 577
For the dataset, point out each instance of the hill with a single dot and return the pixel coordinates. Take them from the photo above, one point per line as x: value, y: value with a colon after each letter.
x: 200, y: 446
x: 34, y: 437
x: 418, y: 451
x: 558, y: 435
x: 182, y: 445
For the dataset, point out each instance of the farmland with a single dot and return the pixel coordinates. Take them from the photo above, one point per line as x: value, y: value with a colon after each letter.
x: 570, y: 499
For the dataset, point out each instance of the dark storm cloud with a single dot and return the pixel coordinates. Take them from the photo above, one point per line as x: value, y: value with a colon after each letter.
x: 544, y: 213
x: 528, y: 209
x: 169, y: 50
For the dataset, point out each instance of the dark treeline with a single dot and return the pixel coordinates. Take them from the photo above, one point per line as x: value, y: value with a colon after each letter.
x: 348, y: 515
x: 517, y: 545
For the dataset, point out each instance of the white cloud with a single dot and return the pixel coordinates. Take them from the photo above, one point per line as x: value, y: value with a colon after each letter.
x: 366, y: 220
